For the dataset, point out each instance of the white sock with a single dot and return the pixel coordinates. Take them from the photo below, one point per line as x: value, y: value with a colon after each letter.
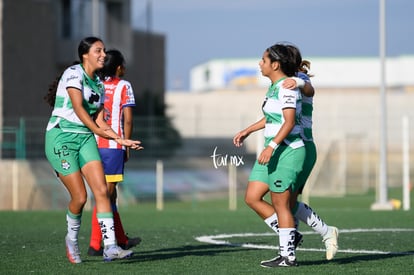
x: 106, y: 222
x: 286, y: 242
x: 308, y: 216
x: 73, y: 222
x: 273, y: 223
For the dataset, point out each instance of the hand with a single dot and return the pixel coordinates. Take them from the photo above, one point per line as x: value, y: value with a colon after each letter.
x: 289, y: 83
x: 239, y: 138
x: 133, y: 144
x: 265, y: 155
x: 136, y: 147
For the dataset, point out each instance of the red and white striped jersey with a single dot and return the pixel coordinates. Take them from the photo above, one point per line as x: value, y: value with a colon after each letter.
x: 118, y: 95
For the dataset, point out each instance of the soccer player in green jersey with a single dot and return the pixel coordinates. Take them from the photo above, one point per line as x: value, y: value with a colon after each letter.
x: 283, y: 154
x: 70, y: 145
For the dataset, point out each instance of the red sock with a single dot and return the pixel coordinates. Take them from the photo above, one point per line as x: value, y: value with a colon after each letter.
x: 96, y: 234
x: 119, y: 229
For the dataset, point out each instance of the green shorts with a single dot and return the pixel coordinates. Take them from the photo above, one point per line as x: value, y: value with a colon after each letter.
x: 282, y: 170
x: 69, y: 152
x: 310, y: 160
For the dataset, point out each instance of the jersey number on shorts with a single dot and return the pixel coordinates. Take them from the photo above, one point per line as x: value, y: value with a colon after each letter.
x: 63, y: 151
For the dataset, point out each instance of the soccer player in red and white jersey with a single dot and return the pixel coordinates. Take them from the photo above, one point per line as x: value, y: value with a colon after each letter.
x: 118, y: 104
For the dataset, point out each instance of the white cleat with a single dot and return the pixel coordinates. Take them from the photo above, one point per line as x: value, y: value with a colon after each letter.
x: 114, y: 252
x: 72, y: 251
x: 331, y: 242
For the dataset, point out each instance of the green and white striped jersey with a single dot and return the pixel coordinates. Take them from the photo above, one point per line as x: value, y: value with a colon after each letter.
x: 277, y: 99
x: 93, y: 97
x: 307, y: 109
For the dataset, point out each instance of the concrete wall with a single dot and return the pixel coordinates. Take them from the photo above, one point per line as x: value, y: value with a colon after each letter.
x: 18, y: 187
x: 338, y: 113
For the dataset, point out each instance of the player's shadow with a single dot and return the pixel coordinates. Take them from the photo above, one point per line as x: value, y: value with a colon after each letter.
x: 359, y: 258
x: 182, y: 251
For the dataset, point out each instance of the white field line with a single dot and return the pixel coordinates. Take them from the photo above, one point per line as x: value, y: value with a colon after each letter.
x: 218, y: 239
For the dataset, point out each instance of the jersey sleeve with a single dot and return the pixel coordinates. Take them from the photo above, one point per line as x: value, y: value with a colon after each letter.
x: 72, y: 78
x: 288, y: 98
x: 128, y: 99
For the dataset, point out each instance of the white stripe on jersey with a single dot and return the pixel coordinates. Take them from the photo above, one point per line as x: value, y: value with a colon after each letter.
x: 116, y: 109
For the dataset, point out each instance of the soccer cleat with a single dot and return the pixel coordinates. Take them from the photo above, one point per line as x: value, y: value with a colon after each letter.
x: 131, y: 243
x: 298, y: 239
x: 93, y: 252
x: 72, y: 251
x: 331, y: 242
x: 114, y: 252
x: 279, y: 261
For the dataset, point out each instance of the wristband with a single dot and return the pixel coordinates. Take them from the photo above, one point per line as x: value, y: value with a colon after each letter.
x: 273, y: 144
x: 300, y: 83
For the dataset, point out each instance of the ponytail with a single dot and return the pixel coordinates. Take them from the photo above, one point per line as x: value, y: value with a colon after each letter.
x: 50, y: 97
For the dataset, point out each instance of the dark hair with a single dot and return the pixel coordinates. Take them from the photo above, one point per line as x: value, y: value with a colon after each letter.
x: 302, y: 65
x: 113, y: 60
x: 297, y: 57
x: 84, y: 47
x: 50, y: 97
x: 282, y: 54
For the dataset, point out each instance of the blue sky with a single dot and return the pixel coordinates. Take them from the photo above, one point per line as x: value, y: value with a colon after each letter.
x: 197, y: 31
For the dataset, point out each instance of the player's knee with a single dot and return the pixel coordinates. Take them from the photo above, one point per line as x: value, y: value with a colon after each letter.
x: 250, y: 201
x: 80, y: 199
x: 101, y: 191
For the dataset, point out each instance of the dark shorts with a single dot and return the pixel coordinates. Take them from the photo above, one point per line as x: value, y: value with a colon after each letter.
x: 113, y: 161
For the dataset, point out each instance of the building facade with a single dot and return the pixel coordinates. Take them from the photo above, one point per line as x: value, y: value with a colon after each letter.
x: 329, y: 72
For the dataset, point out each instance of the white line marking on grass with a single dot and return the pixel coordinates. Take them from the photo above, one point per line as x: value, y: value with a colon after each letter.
x: 218, y: 239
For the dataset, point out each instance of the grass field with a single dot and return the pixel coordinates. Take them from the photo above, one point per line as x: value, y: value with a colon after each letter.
x: 370, y: 242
